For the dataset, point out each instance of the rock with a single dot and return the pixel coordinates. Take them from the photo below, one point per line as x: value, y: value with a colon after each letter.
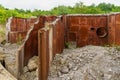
x: 86, y: 63
x: 33, y: 63
x: 37, y: 72
x: 28, y: 76
x: 5, y: 75
x: 7, y: 44
x: 10, y: 64
x: 64, y: 70
x: 25, y: 69
x: 36, y: 78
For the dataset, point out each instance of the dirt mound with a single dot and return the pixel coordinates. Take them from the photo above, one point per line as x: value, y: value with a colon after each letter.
x: 87, y: 63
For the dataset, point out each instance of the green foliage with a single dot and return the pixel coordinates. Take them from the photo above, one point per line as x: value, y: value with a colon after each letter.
x: 2, y: 32
x: 60, y: 10
x: 106, y: 7
x: 78, y: 8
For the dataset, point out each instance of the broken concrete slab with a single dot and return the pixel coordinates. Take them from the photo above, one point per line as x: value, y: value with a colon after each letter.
x: 33, y: 63
x: 5, y: 75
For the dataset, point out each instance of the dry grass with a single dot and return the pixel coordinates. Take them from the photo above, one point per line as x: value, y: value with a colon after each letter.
x: 2, y: 33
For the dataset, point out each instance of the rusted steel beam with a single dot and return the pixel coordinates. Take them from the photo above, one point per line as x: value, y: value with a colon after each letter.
x: 20, y: 61
x: 49, y: 43
x: 43, y: 47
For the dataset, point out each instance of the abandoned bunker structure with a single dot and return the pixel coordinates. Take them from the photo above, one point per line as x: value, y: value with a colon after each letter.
x: 46, y: 36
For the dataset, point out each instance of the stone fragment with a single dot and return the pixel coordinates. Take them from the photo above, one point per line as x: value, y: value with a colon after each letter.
x: 33, y: 63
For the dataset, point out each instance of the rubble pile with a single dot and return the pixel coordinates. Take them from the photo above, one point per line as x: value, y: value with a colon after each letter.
x: 87, y: 63
x: 31, y: 70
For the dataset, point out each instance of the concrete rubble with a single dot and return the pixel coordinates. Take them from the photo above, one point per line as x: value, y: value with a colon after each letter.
x: 31, y: 70
x: 87, y: 63
x: 8, y: 57
x: 5, y: 75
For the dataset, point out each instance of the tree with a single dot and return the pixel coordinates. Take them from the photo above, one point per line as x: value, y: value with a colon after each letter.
x: 106, y: 7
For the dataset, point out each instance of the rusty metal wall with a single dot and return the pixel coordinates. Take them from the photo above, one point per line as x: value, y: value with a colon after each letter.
x: 86, y: 30
x: 31, y: 43
x: 43, y: 46
x: 117, y: 29
x: 114, y: 29
x: 49, y: 44
x: 58, y: 41
x: 19, y: 28
x: 111, y: 29
x: 30, y: 46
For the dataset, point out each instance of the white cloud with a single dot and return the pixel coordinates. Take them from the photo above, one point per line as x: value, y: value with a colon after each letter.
x: 48, y: 4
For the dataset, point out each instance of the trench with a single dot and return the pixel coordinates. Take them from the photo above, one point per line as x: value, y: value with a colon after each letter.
x: 47, y: 37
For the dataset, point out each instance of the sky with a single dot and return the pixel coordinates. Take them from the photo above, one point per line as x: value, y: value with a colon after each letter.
x: 49, y: 4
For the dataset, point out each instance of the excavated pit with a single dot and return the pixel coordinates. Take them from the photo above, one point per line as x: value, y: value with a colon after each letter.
x: 86, y: 63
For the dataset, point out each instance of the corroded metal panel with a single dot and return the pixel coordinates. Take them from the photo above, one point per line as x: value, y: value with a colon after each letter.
x: 19, y: 26
x: 111, y: 29
x: 117, y: 29
x: 30, y: 22
x: 43, y: 54
x: 117, y: 19
x: 101, y: 30
x: 13, y: 24
x: 85, y: 29
x: 73, y: 24
x: 50, y: 18
x: 46, y: 38
x: 83, y: 35
x: 117, y: 34
x: 31, y: 44
x: 16, y: 36
x: 58, y: 41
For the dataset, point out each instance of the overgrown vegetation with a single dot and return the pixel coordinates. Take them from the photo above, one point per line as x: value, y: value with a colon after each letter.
x: 78, y: 8
x: 2, y: 33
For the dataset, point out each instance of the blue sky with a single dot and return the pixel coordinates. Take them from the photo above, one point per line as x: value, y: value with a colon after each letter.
x: 48, y: 4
